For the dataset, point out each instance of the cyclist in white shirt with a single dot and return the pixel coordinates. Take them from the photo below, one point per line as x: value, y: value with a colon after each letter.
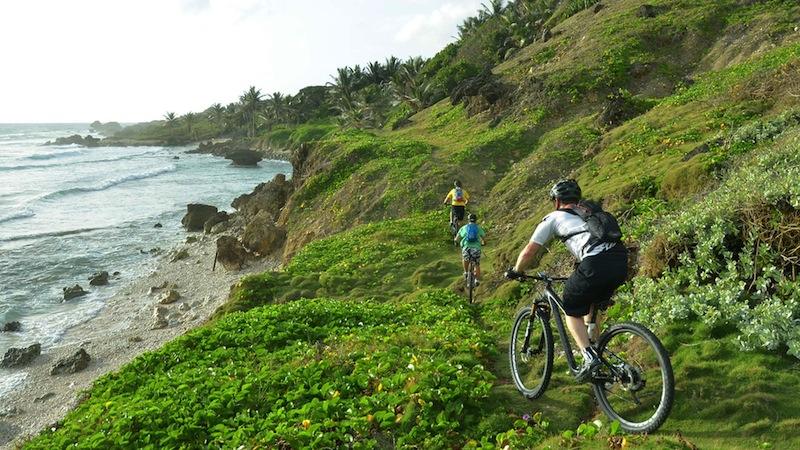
x: 602, y: 268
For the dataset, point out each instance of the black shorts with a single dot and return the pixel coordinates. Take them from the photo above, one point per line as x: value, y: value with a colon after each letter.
x: 458, y: 212
x: 595, y: 280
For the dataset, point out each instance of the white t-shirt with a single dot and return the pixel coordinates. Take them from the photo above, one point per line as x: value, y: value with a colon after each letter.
x: 560, y: 223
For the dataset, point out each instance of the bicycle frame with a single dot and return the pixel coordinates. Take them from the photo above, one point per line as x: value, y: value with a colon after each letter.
x: 554, y: 303
x: 549, y: 302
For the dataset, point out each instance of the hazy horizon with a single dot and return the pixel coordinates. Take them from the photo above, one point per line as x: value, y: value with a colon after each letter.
x: 131, y: 62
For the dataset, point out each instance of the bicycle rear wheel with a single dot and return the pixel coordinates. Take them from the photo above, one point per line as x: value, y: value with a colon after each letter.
x: 639, y: 391
x: 530, y: 353
x: 454, y: 232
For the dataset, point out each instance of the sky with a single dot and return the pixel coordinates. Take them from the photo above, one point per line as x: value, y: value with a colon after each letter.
x: 134, y: 60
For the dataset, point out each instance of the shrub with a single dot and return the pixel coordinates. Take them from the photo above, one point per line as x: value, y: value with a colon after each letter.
x: 733, y: 258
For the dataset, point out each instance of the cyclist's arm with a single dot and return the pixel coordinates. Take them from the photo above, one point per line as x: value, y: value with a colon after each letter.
x: 528, y: 257
x: 449, y: 196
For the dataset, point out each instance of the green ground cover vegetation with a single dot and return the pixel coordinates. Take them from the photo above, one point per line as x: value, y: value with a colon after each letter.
x: 364, y: 340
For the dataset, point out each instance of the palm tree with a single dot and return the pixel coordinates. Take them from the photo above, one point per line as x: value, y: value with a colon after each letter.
x: 391, y: 67
x: 170, y: 119
x: 375, y: 73
x: 409, y: 87
x: 251, y: 104
x: 217, y: 114
x: 190, y: 119
x: 493, y: 9
x: 343, y: 89
x: 276, y: 108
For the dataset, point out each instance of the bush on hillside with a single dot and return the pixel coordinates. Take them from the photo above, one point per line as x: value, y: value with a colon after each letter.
x: 733, y: 259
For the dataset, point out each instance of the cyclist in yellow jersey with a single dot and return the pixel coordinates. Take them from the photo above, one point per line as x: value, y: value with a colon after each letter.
x: 458, y: 199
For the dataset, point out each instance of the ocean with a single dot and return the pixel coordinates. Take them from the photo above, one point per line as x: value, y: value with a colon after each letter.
x: 67, y: 212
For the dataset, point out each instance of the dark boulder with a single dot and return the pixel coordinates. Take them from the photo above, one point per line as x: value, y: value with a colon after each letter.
x: 269, y: 197
x: 616, y: 110
x: 71, y: 364
x: 483, y: 90
x: 598, y: 7
x: 17, y: 357
x: 219, y: 217
x: 244, y: 157
x: 158, y: 225
x: 647, y: 11
x: 196, y: 216
x: 10, y: 327
x: 76, y: 139
x: 230, y: 253
x: 99, y: 279
x: 261, y: 235
x: 73, y: 292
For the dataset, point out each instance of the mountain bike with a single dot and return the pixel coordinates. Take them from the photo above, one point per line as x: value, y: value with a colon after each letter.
x: 454, y: 227
x: 634, y: 385
x: 470, y: 280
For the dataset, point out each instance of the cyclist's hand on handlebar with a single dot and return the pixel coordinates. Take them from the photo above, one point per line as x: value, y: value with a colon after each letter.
x: 512, y: 274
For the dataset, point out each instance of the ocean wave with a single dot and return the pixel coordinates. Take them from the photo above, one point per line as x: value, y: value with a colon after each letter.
x: 19, y: 214
x: 69, y: 163
x: 109, y: 183
x: 44, y: 156
x: 25, y: 237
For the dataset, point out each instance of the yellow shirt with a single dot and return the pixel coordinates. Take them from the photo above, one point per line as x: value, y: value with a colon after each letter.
x: 451, y: 197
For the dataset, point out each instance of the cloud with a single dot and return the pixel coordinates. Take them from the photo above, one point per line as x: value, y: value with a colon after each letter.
x: 436, y: 26
x: 195, y: 6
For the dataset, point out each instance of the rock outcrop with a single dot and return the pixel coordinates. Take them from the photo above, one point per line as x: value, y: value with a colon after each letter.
x: 10, y: 327
x: 261, y: 235
x: 72, y: 364
x: 160, y: 317
x: 99, y: 279
x: 241, y: 152
x: 480, y: 92
x: 270, y: 197
x: 171, y: 296
x: 196, y: 216
x: 219, y: 217
x: 244, y: 157
x: 18, y: 357
x: 647, y: 11
x: 73, y: 292
x: 77, y: 139
x: 231, y: 253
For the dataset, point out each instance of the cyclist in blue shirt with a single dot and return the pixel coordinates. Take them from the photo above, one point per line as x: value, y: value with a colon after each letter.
x: 471, y: 237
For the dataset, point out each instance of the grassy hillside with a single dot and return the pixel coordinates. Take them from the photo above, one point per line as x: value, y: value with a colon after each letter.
x: 686, y: 124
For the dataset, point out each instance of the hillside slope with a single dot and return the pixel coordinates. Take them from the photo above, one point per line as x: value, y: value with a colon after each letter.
x: 684, y: 118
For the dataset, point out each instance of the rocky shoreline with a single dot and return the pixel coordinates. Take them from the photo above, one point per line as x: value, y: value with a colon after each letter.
x: 241, y: 152
x: 141, y: 317
x: 188, y: 284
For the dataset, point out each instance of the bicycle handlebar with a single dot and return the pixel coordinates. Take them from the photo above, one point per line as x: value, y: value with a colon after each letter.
x: 541, y: 276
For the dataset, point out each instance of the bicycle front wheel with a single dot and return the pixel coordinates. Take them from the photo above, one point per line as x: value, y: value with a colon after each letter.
x: 530, y: 353
x: 639, y: 388
x: 471, y: 281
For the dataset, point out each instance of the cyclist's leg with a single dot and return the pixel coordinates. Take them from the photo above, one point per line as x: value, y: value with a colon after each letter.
x: 577, y: 303
x: 587, y: 319
x: 578, y: 331
x: 465, y: 259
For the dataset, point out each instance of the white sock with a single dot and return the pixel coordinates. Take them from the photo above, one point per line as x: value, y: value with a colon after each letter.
x: 588, y: 354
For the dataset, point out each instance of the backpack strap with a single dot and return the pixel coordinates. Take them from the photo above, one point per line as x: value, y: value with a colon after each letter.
x: 571, y: 235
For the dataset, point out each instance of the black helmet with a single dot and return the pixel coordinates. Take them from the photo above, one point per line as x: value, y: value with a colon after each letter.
x: 473, y: 218
x: 457, y: 183
x: 566, y: 190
